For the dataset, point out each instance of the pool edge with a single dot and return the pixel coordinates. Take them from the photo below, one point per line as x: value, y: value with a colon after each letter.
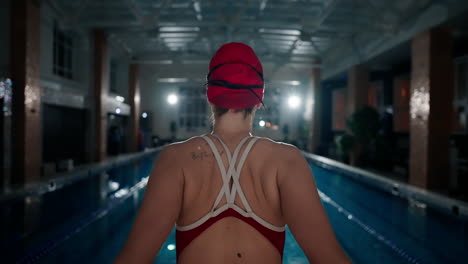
x: 64, y: 179
x: 434, y: 200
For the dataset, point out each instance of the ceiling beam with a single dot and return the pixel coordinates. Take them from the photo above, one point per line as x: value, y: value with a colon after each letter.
x: 198, y: 10
x: 356, y: 49
x: 222, y: 16
x: 170, y: 55
x: 119, y: 43
x: 279, y: 62
x: 315, y: 46
x: 135, y: 10
x: 132, y: 25
x: 263, y: 5
x: 326, y: 12
x: 295, y: 44
x: 329, y: 8
x: 237, y: 16
x: 75, y: 17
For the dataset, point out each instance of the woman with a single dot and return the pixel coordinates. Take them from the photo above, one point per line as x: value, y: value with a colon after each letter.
x: 229, y: 193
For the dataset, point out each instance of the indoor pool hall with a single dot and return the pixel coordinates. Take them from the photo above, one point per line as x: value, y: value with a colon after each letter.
x: 249, y: 131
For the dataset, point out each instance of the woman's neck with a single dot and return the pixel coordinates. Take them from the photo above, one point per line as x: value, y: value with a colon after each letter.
x: 233, y: 124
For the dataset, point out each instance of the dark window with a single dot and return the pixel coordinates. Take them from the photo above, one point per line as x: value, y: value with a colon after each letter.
x: 194, y: 109
x: 461, y: 82
x: 461, y: 95
x: 62, y: 134
x: 62, y: 53
x: 113, y: 76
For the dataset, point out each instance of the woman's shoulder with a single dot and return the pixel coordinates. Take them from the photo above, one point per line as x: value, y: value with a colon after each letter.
x: 277, y: 145
x: 178, y: 153
x: 180, y: 145
x: 276, y: 152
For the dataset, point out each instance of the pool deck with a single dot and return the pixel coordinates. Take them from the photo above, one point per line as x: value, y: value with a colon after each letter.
x: 412, y: 193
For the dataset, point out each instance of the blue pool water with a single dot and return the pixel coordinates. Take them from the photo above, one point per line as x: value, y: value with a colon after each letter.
x: 89, y: 222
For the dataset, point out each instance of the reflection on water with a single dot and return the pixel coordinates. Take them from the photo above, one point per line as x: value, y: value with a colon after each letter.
x: 31, y: 213
x: 418, y: 225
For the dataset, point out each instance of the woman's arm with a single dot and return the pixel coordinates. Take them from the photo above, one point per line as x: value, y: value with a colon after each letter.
x: 158, y: 212
x: 303, y: 211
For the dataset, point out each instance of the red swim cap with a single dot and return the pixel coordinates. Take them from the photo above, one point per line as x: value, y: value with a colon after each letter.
x: 235, y: 80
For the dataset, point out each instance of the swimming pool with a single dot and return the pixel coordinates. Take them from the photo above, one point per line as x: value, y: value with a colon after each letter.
x: 89, y: 221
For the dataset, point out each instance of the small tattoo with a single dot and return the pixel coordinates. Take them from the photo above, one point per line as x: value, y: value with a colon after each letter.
x: 199, y: 155
x: 203, y: 154
x: 239, y: 255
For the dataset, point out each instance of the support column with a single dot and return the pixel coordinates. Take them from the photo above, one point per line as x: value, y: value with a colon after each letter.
x: 315, y: 104
x: 358, y: 86
x: 26, y: 105
x: 431, y: 97
x: 101, y: 90
x: 134, y: 101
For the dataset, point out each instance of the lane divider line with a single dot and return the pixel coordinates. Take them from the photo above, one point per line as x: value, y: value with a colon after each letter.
x: 381, y: 238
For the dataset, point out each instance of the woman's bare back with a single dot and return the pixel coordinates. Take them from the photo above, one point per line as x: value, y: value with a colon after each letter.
x: 230, y: 240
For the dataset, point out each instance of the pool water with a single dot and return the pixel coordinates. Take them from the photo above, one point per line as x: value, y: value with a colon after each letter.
x: 378, y: 227
x: 86, y: 224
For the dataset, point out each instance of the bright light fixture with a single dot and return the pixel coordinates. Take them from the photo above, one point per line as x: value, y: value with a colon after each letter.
x: 172, y: 80
x: 280, y: 31
x: 117, y: 110
x: 178, y: 29
x: 172, y: 99
x: 196, y: 6
x: 113, y: 186
x: 294, y: 101
x: 120, y: 98
x: 144, y: 115
x: 261, y: 123
x: 178, y: 35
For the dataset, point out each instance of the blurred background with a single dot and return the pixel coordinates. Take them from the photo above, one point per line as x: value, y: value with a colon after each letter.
x: 374, y: 92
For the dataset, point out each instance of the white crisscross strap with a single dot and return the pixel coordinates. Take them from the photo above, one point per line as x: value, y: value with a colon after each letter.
x: 234, y: 174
